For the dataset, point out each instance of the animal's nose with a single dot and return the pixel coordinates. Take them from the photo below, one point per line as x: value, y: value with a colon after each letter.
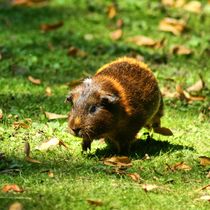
x: 76, y: 131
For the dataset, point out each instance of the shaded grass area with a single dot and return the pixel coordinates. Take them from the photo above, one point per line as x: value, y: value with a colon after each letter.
x: 25, y: 50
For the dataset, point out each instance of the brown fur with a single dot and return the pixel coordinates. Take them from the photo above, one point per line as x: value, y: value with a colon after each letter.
x: 115, y: 104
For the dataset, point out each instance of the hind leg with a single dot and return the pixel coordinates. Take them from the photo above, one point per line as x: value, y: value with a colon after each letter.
x: 156, y: 122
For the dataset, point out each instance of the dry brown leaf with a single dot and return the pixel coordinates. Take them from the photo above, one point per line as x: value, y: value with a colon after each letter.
x: 134, y: 176
x: 181, y: 50
x: 48, y: 91
x: 116, y: 35
x: 173, y: 3
x: 27, y: 149
x: 164, y: 131
x: 112, y: 11
x: 20, y: 124
x: 119, y: 23
x: 208, y: 175
x: 16, y: 206
x: 27, y: 2
x: 207, y: 187
x: 1, y: 114
x: 172, y: 25
x: 204, y: 161
x: 198, y: 86
x: 49, y: 27
x: 149, y: 187
x: 53, y: 116
x: 76, y: 52
x: 165, y: 91
x: 205, y: 198
x: 31, y: 160
x: 12, y: 187
x: 34, y: 81
x: 181, y: 166
x: 50, y: 143
x: 193, y: 6
x: 145, y: 41
x: 119, y: 161
x: 95, y: 202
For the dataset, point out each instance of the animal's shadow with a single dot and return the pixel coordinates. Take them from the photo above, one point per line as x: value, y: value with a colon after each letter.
x: 141, y: 147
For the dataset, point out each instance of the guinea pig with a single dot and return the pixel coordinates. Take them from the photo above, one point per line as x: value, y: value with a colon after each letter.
x: 121, y: 98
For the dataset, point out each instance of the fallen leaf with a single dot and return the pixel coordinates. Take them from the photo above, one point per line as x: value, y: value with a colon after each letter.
x: 207, y: 187
x: 205, y: 197
x: 181, y: 50
x: 16, y: 206
x: 34, y: 81
x: 95, y: 202
x: 49, y: 27
x: 119, y: 161
x: 165, y: 91
x: 193, y: 6
x: 184, y: 95
x: 31, y: 160
x: 204, y: 161
x: 172, y: 25
x: 27, y: 2
x: 145, y: 41
x: 116, y: 35
x: 50, y: 143
x: 208, y: 175
x: 73, y: 51
x: 20, y: 124
x: 149, y: 187
x: 48, y: 91
x: 198, y: 86
x: 164, y: 131
x: 111, y: 11
x: 134, y: 176
x: 181, y: 166
x: 12, y: 187
x: 173, y: 3
x: 27, y: 149
x: 1, y: 114
x: 119, y: 23
x: 53, y: 116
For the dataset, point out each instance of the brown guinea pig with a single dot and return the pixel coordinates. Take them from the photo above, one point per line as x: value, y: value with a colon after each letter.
x: 121, y: 98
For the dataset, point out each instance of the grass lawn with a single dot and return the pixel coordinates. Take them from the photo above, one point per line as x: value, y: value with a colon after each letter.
x: 25, y: 51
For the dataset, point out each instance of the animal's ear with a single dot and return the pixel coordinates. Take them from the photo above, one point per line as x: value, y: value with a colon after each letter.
x: 108, y: 99
x: 69, y: 99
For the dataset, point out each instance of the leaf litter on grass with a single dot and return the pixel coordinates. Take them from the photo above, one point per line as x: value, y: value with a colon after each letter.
x: 12, y: 187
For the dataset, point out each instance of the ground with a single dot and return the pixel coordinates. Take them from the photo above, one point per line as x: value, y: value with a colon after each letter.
x: 26, y: 50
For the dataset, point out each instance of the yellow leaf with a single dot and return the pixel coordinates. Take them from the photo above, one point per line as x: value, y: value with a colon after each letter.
x: 16, y: 206
x: 53, y: 116
x: 172, y: 25
x: 204, y: 161
x: 193, y: 6
x: 112, y: 11
x: 181, y: 166
x: 48, y: 91
x: 134, y: 176
x: 145, y: 41
x: 116, y: 35
x: 181, y: 50
x: 119, y: 161
x: 149, y: 187
x: 12, y: 187
x: 34, y: 80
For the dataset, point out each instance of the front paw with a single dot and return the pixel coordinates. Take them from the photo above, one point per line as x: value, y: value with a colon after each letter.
x: 86, y: 145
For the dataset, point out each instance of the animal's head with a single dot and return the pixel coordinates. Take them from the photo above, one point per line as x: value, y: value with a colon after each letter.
x: 93, y: 112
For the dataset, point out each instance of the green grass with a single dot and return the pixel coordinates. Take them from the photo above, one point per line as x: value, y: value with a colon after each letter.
x: 24, y: 51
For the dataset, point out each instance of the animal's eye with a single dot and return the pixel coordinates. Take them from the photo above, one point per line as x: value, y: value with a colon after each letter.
x: 92, y: 109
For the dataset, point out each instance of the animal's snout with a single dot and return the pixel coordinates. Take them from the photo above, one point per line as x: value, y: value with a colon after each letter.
x: 77, y: 131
